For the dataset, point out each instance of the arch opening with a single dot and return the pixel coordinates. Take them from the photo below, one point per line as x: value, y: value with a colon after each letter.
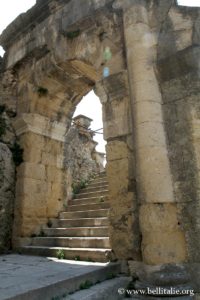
x: 51, y: 81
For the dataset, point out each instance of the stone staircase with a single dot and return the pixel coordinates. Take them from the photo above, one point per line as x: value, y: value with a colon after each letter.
x: 80, y: 232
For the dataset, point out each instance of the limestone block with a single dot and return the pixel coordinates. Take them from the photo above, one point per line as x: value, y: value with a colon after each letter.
x: 49, y: 159
x: 116, y: 86
x: 144, y: 111
x: 32, y: 226
x: 122, y: 202
x: 155, y: 182
x: 116, y: 150
x: 32, y: 202
x: 55, y: 174
x: 60, y: 162
x: 124, y: 233
x: 55, y: 198
x: 57, y: 190
x: 28, y: 186
x: 33, y: 156
x: 32, y: 144
x: 116, y: 116
x: 52, y: 146
x: 149, y: 134
x: 118, y: 184
x: 146, y: 86
x: 164, y: 247
x: 183, y: 27
x: 162, y: 217
x: 31, y: 170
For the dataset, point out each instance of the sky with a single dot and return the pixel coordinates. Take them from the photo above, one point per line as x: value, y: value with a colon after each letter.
x: 90, y: 105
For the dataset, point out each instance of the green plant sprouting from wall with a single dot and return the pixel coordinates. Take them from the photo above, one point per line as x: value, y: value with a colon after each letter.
x: 76, y: 187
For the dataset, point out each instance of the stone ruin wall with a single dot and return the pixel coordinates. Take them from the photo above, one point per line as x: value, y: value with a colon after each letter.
x: 150, y: 114
x: 79, y: 149
x: 42, y: 120
x: 7, y: 165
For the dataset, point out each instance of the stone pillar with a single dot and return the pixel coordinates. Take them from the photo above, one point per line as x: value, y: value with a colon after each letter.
x: 41, y: 179
x: 163, y: 241
x: 124, y: 228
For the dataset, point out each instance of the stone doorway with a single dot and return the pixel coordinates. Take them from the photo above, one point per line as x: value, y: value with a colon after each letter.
x: 51, y: 80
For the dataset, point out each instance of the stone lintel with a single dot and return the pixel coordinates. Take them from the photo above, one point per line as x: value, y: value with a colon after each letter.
x: 40, y: 125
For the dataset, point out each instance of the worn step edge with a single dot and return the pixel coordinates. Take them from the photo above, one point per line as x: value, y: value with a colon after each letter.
x: 77, y: 228
x: 105, y: 290
x: 93, y: 212
x: 98, y: 183
x: 96, y: 254
x: 77, y: 232
x: 98, y: 188
x: 103, y: 192
x: 90, y: 198
x: 79, y: 222
x: 93, y: 200
x: 71, y: 242
x: 88, y: 206
x: 63, y: 285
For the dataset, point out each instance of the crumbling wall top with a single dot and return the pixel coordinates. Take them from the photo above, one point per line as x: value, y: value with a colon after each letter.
x: 25, y: 22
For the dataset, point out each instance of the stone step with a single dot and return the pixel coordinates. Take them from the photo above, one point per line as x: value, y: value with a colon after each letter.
x: 85, y: 254
x: 98, y: 180
x: 84, y: 214
x: 102, y: 174
x: 41, y: 278
x: 95, y: 188
x: 91, y: 194
x: 72, y: 242
x: 77, y: 231
x: 105, y: 290
x: 92, y: 206
x: 84, y: 222
x: 98, y: 184
x: 81, y: 201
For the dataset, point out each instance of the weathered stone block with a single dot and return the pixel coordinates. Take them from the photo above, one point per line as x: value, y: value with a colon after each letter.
x: 116, y: 116
x: 150, y: 134
x: 7, y: 177
x: 31, y: 170
x: 155, y: 180
x: 164, y: 247
x: 145, y: 110
x: 49, y: 159
x: 116, y: 150
x: 118, y: 184
x: 55, y: 174
x: 30, y: 186
x: 160, y: 217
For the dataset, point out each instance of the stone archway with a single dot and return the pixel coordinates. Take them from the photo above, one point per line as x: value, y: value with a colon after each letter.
x: 52, y: 79
x: 57, y: 52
